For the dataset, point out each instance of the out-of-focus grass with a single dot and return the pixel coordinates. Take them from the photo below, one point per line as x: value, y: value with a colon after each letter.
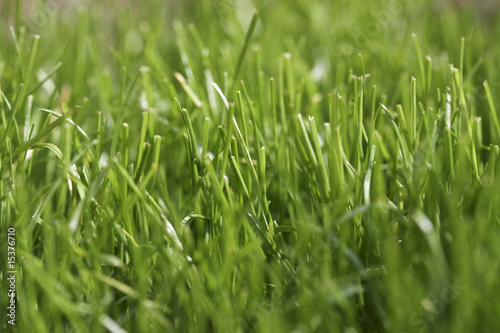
x: 221, y: 166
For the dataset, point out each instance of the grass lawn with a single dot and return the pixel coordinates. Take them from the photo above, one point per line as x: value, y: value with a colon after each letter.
x: 249, y: 166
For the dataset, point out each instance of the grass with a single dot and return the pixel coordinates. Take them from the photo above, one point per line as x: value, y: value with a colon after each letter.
x: 220, y: 166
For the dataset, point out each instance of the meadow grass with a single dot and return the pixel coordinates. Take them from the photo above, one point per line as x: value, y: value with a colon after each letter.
x: 239, y: 166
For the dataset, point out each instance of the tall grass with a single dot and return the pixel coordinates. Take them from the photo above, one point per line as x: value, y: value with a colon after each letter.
x: 248, y: 166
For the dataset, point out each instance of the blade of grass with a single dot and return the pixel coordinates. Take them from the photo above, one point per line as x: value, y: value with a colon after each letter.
x: 243, y: 52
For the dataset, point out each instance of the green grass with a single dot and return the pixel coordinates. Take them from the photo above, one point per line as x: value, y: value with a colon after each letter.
x: 265, y: 166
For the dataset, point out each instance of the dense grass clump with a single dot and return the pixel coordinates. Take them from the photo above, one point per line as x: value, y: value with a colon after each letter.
x: 250, y: 166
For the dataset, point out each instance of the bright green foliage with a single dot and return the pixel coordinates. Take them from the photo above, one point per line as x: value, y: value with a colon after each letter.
x: 239, y: 166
